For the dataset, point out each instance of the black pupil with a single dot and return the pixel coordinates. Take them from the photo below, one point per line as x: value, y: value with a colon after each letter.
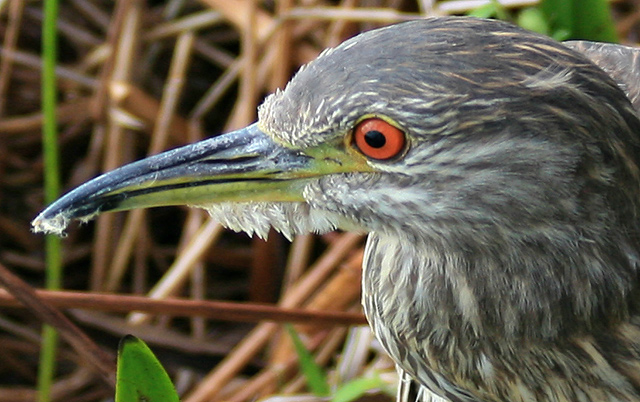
x: 375, y: 139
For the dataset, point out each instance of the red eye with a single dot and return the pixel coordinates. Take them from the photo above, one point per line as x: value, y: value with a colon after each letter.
x: 378, y: 139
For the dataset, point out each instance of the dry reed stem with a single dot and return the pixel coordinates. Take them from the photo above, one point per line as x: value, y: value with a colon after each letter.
x: 265, y: 269
x: 213, y: 383
x: 125, y: 244
x: 65, y: 74
x: 143, y: 106
x: 326, y: 350
x: 215, y: 92
x: 198, y: 274
x: 190, y: 23
x: 214, y: 54
x: 299, y: 256
x: 282, y: 42
x: 9, y: 43
x: 224, y: 311
x: 245, y: 108
x: 125, y: 45
x: 463, y: 6
x: 267, y: 380
x: 186, y: 260
x: 76, y: 33
x: 235, y: 361
x: 20, y: 331
x: 387, y: 16
x: 61, y: 390
x: 355, y: 354
x: 168, y: 104
x: 237, y: 11
x: 99, y: 360
x: 338, y: 293
x: 153, y: 335
x: 67, y: 113
x: 113, y: 33
x: 92, y: 13
x: 172, y: 91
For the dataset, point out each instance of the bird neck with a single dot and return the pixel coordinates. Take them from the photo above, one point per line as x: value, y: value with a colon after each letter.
x: 528, y: 289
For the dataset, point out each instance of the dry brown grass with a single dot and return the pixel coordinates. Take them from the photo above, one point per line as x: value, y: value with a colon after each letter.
x: 136, y: 78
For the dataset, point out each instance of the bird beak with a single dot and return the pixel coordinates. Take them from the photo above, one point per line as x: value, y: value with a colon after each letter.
x: 244, y: 166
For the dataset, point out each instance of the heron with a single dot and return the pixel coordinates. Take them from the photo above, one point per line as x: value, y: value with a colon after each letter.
x: 496, y: 172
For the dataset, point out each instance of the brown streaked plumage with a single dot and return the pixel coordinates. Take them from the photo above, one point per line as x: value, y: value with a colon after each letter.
x: 502, y: 261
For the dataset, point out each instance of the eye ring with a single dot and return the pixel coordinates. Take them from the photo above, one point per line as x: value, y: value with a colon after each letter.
x: 378, y: 139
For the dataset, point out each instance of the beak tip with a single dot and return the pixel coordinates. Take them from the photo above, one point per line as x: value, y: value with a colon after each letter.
x: 55, y: 225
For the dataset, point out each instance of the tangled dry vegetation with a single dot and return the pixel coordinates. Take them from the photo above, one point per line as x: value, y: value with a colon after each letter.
x: 135, y: 78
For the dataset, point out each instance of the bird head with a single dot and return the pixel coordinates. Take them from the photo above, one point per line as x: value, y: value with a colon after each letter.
x: 446, y: 128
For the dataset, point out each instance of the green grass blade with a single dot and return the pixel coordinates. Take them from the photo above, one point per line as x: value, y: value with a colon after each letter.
x: 47, y: 365
x: 49, y: 102
x: 356, y: 388
x: 315, y: 376
x: 46, y: 368
x: 140, y: 376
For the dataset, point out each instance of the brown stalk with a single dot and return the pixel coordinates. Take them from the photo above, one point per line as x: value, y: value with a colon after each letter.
x: 152, y: 334
x: 126, y: 45
x: 327, y: 349
x: 225, y: 311
x: 143, y: 106
x: 235, y: 361
x: 380, y: 15
x: 270, y: 376
x: 24, y: 294
x: 214, y: 382
x: 10, y: 41
x: 236, y: 12
x: 167, y: 109
x: 336, y: 31
x: 196, y: 218
x: 282, y: 42
x: 65, y: 74
x: 216, y: 90
x: 265, y: 267
x: 299, y: 255
x: 175, y: 277
x: 339, y: 292
x: 192, y: 22
x: 114, y: 31
x: 245, y: 107
x: 66, y: 113
x: 93, y: 13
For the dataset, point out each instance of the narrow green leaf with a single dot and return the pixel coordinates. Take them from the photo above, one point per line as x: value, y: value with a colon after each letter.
x: 140, y: 376
x: 354, y: 389
x: 315, y: 376
x: 49, y: 347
